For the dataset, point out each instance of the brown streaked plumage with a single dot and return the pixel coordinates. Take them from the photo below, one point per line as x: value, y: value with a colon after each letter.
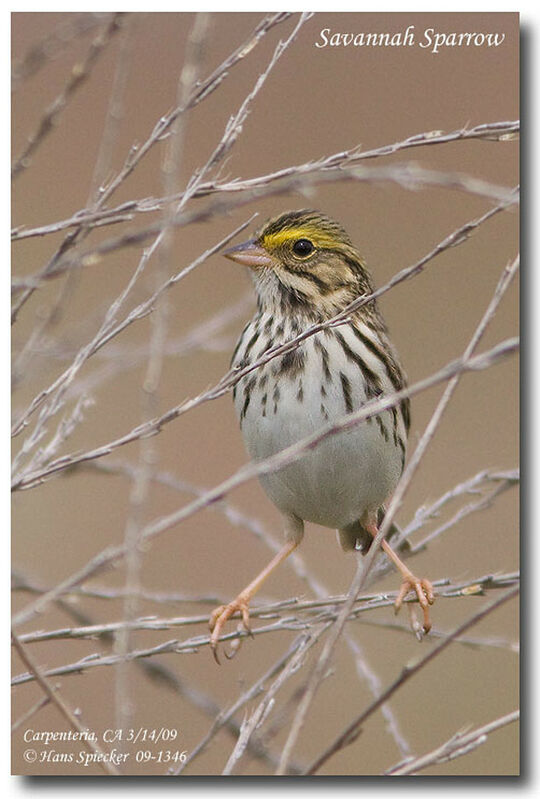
x: 306, y: 269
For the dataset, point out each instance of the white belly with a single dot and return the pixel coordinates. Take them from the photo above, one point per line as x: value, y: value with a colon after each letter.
x: 347, y: 474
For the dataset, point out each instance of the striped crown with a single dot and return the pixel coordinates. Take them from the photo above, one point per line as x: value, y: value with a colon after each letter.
x: 305, y: 262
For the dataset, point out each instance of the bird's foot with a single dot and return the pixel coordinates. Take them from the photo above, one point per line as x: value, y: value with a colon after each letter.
x: 221, y: 615
x: 424, y: 592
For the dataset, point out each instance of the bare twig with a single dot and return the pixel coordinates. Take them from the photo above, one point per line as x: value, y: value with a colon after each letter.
x: 108, y: 330
x: 137, y: 152
x: 50, y: 46
x: 397, y: 497
x: 42, y: 702
x: 250, y: 471
x: 250, y: 693
x: 307, y: 613
x: 269, y: 702
x: 496, y: 480
x: 372, y: 408
x: 147, y: 454
x: 499, y: 131
x: 499, y: 484
x: 54, y: 696
x: 54, y: 314
x: 260, y: 713
x: 115, y: 112
x: 159, y: 673
x: 163, y: 238
x: 208, y: 336
x: 353, y: 730
x: 79, y: 75
x: 473, y: 486
x: 476, y: 642
x: 407, y: 176
x: 462, y: 743
x: 458, y: 236
x: 237, y: 517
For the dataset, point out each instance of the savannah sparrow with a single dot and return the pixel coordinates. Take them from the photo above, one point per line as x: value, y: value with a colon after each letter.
x: 306, y: 270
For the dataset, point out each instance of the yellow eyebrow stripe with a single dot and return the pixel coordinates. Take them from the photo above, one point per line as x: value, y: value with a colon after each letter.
x: 315, y: 235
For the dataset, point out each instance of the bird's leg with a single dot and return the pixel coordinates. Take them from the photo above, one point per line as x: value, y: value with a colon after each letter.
x: 240, y: 605
x: 421, y: 587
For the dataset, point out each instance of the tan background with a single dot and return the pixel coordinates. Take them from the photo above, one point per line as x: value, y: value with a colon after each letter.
x: 316, y: 102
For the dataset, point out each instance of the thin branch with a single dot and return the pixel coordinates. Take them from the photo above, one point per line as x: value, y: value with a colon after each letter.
x: 108, y: 330
x: 36, y: 707
x: 368, y: 675
x: 208, y: 335
x: 498, y: 131
x: 408, y: 176
x: 260, y: 713
x: 54, y: 696
x: 140, y: 485
x: 393, y: 505
x: 162, y: 241
x: 206, y: 705
x: 501, y: 485
x: 321, y: 667
x: 476, y: 642
x: 153, y: 426
x: 353, y: 730
x: 292, y: 453
x: 501, y: 481
x: 462, y: 743
x: 137, y: 152
x: 224, y: 717
x: 236, y: 517
x: 38, y: 462
x: 165, y: 677
x: 474, y: 486
x: 79, y: 75
x: 307, y: 613
x: 46, y: 50
x: 115, y: 113
x: 457, y: 237
x: 504, y: 282
x: 54, y: 314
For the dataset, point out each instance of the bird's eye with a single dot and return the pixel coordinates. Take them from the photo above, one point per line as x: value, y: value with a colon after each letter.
x: 303, y: 248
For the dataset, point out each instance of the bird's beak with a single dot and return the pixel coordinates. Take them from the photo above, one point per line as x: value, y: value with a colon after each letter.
x: 249, y: 253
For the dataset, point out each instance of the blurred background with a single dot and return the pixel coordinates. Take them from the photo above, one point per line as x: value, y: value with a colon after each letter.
x: 315, y: 102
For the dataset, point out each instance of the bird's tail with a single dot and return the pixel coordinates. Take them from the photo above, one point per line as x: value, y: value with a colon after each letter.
x: 356, y: 537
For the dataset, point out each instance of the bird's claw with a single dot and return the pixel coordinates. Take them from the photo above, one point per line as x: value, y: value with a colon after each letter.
x: 424, y: 592
x: 220, y: 616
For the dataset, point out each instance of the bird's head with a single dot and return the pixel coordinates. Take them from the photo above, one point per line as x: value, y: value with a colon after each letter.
x: 305, y: 261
